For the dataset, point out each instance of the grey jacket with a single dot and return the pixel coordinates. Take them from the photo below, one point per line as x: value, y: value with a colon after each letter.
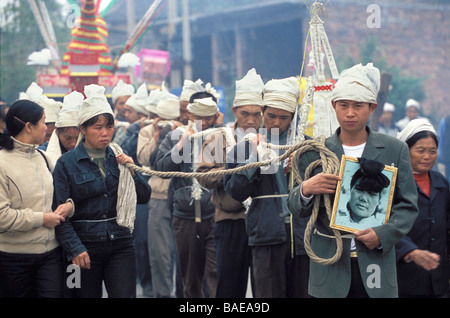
x: 379, y: 264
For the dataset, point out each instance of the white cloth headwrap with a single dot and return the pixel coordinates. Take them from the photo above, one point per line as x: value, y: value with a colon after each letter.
x: 203, y: 107
x: 126, y: 194
x: 358, y: 83
x: 121, y: 89
x: 69, y: 113
x: 51, y: 108
x: 210, y: 89
x: 282, y: 93
x: 388, y: 107
x: 249, y: 90
x: 412, y: 103
x: 168, y: 106
x: 153, y: 99
x: 33, y: 92
x: 415, y: 126
x: 189, y: 88
x: 139, y: 100
x: 67, y: 117
x: 94, y: 104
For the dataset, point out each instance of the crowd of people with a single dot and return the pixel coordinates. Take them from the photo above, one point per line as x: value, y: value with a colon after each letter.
x: 204, y: 218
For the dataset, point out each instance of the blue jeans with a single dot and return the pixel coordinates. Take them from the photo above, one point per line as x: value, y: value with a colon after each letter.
x: 113, y: 262
x: 32, y: 275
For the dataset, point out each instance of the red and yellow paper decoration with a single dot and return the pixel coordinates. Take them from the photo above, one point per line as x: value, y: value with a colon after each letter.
x: 89, y: 38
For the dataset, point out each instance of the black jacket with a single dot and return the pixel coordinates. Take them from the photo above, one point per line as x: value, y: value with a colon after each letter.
x: 429, y: 232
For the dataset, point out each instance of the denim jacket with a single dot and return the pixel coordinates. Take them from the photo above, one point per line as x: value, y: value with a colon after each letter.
x: 78, y: 178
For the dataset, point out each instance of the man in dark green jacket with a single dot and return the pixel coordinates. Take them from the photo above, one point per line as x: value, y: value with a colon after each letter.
x: 367, y: 265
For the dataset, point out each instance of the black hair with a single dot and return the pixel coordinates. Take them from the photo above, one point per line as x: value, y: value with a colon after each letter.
x: 371, y: 176
x: 92, y: 121
x: 21, y: 112
x: 62, y: 130
x: 420, y: 135
x: 199, y: 95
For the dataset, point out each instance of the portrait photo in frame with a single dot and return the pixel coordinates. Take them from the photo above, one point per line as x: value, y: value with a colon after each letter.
x: 355, y: 209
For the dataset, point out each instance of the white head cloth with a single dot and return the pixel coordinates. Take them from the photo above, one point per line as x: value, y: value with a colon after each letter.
x: 33, y: 92
x: 23, y: 95
x: 121, y: 89
x: 153, y: 100
x: 139, y: 100
x: 249, y: 90
x: 210, y: 89
x: 412, y: 103
x: 282, y: 93
x: 388, y: 107
x: 203, y: 107
x: 358, y: 83
x: 189, y: 88
x: 68, y: 115
x: 415, y: 126
x: 94, y: 104
x: 168, y: 106
x: 51, y: 108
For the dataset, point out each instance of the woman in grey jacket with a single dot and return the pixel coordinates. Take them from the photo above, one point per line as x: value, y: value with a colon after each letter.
x: 30, y: 260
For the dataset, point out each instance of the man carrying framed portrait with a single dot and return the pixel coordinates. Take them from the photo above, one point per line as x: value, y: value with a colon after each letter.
x: 366, y: 267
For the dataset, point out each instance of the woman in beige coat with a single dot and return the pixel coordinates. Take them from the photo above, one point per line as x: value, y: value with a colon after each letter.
x: 30, y: 258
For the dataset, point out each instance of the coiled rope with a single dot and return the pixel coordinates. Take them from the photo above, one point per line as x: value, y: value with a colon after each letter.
x: 330, y: 164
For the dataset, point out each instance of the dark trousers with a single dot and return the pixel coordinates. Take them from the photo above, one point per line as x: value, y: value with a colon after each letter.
x: 196, y: 256
x: 140, y: 236
x: 357, y: 289
x: 279, y: 274
x: 112, y: 262
x: 32, y: 275
x: 232, y: 258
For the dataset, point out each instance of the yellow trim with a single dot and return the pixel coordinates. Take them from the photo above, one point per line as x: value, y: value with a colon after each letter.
x: 97, y: 47
x: 54, y: 95
x: 83, y: 74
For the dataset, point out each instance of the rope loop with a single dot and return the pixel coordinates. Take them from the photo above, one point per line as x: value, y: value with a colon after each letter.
x: 330, y: 164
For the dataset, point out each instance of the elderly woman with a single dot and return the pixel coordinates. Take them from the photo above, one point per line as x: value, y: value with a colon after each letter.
x: 30, y: 257
x: 98, y: 236
x: 422, y: 255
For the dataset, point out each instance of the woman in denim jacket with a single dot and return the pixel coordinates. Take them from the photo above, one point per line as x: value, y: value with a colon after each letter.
x: 90, y: 176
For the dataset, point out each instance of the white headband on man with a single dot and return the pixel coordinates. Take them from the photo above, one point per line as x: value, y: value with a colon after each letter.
x: 189, y: 88
x: 282, y: 93
x: 121, y: 89
x: 203, y: 107
x: 139, y: 101
x: 358, y: 83
x: 168, y: 106
x: 249, y: 90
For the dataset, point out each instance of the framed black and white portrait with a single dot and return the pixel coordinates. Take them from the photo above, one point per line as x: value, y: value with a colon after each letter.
x: 364, y: 195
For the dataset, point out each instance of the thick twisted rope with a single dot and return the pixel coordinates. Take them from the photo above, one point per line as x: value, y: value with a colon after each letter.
x: 330, y: 164
x: 179, y: 174
x: 328, y: 160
